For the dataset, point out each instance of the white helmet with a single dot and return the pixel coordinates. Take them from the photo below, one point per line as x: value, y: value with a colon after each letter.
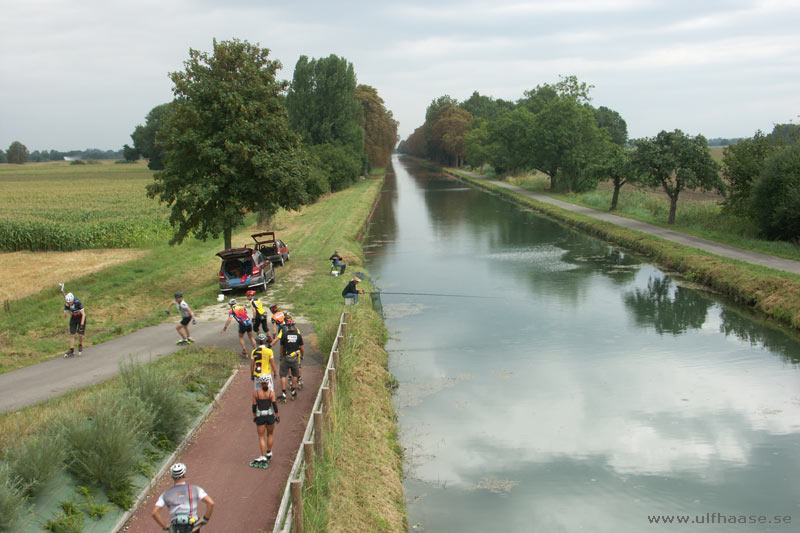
x: 263, y: 378
x: 178, y: 470
x: 69, y: 298
x: 232, y: 301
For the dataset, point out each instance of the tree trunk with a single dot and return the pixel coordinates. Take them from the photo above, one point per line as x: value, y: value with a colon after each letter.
x: 673, y: 207
x: 615, y: 196
x: 227, y: 234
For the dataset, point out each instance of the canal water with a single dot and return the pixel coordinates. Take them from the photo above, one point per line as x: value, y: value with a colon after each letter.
x: 552, y: 382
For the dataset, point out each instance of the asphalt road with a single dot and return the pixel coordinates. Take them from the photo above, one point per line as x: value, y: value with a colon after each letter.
x: 39, y: 382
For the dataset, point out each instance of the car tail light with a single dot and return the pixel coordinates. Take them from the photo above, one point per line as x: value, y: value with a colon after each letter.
x: 221, y: 275
x: 256, y: 271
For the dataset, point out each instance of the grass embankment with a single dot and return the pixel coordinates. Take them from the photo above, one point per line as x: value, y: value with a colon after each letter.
x: 75, y: 462
x: 773, y: 293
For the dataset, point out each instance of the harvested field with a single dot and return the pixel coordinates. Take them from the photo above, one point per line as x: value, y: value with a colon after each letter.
x: 47, y: 269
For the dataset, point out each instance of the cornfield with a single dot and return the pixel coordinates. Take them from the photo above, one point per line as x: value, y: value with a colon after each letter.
x: 56, y: 206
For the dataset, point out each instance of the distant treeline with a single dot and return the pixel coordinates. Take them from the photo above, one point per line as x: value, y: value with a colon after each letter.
x: 554, y: 129
x: 37, y: 156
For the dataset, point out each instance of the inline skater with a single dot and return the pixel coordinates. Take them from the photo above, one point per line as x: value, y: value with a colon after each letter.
x: 265, y: 416
x: 187, y: 316
x: 262, y: 362
x: 278, y: 319
x: 77, y: 322
x: 239, y: 313
x: 259, y: 313
x: 291, y: 354
x: 182, y: 501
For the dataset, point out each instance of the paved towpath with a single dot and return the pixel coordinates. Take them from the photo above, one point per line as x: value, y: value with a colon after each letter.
x: 723, y: 250
x: 39, y: 382
x: 246, y: 499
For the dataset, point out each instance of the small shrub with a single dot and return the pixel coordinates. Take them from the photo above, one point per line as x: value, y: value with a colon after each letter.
x: 163, y: 395
x: 106, y: 446
x: 12, y: 500
x: 34, y: 460
x: 94, y: 510
x: 69, y: 520
x: 77, y: 162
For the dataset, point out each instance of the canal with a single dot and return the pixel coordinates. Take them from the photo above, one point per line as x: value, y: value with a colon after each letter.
x: 552, y: 382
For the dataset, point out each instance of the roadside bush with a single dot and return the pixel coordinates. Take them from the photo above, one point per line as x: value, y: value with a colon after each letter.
x: 164, y: 397
x: 317, y: 183
x: 775, y: 196
x: 105, y: 446
x: 34, y: 460
x: 11, y: 501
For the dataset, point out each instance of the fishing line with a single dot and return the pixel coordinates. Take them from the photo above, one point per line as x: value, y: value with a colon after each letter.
x: 433, y: 294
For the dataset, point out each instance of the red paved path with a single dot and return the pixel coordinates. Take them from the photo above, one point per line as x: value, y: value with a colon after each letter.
x: 246, y: 499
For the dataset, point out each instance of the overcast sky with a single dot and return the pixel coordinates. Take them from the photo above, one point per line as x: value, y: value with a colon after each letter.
x: 83, y: 74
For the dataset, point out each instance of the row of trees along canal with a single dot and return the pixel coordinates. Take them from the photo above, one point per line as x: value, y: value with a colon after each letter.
x: 236, y: 139
x: 555, y: 130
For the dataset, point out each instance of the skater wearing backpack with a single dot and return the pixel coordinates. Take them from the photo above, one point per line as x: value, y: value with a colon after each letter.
x: 239, y: 313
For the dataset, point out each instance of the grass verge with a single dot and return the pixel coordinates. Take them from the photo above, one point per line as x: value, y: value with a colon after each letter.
x: 107, y: 434
x: 775, y: 294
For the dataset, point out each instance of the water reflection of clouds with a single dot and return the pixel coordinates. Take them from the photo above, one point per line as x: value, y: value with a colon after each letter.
x: 666, y: 416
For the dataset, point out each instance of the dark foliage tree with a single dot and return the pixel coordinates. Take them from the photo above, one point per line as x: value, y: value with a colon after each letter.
x: 676, y: 161
x: 3, y: 158
x: 776, y: 195
x: 145, y: 137
x: 229, y: 146
x: 129, y: 153
x: 17, y: 153
x: 742, y: 163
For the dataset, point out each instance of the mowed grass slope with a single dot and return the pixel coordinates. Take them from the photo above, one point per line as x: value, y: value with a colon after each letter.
x: 59, y: 206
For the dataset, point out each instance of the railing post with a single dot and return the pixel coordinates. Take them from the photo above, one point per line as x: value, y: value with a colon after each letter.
x: 308, y: 456
x: 297, y: 506
x: 319, y: 433
x: 332, y: 380
x: 326, y: 406
x: 335, y: 359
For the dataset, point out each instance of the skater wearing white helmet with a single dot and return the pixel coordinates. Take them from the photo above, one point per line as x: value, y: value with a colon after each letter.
x: 77, y: 322
x: 265, y: 416
x: 182, y: 501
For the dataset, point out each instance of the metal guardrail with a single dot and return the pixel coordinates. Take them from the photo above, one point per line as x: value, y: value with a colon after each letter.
x: 312, y: 436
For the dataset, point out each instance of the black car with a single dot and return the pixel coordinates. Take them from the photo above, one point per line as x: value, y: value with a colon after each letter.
x: 244, y: 268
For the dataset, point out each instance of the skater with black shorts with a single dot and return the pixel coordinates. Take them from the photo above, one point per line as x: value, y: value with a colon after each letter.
x: 239, y: 313
x: 187, y: 315
x: 265, y: 416
x: 259, y: 313
x: 291, y: 354
x: 262, y: 362
x: 77, y: 322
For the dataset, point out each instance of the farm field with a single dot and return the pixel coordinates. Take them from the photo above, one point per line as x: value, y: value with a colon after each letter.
x: 57, y: 206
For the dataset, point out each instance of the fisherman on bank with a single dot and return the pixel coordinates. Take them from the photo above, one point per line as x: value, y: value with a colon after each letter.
x: 352, y: 291
x: 337, y: 262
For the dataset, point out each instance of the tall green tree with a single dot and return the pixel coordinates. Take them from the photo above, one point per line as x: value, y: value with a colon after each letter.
x: 380, y: 127
x: 322, y: 102
x: 229, y: 146
x: 742, y: 163
x: 145, y: 137
x: 776, y: 195
x: 130, y: 153
x: 675, y: 161
x: 3, y: 158
x: 17, y: 153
